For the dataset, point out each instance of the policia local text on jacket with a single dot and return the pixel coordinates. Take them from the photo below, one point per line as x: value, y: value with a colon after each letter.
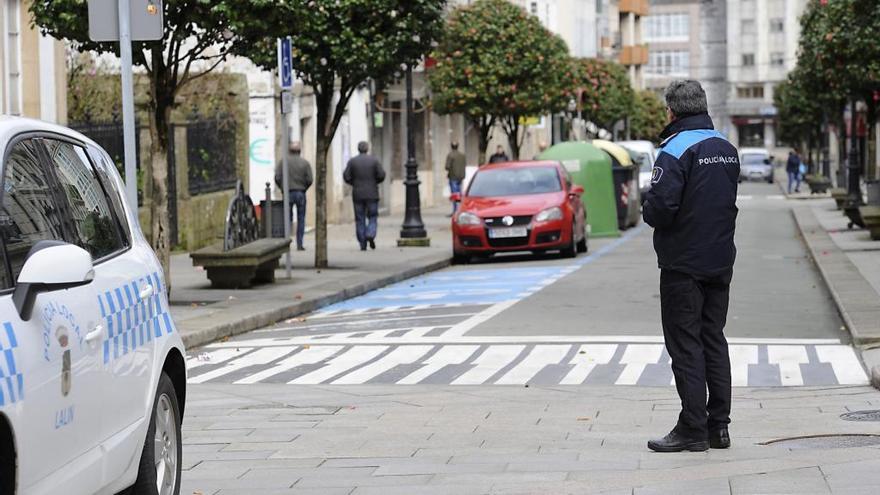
x: 692, y: 207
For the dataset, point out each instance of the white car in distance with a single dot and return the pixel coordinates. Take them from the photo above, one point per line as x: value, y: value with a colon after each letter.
x: 92, y: 369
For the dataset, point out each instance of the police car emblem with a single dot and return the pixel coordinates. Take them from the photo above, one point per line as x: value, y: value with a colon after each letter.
x: 656, y: 173
x: 508, y: 220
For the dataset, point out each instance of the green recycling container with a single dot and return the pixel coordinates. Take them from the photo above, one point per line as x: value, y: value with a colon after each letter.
x: 590, y: 168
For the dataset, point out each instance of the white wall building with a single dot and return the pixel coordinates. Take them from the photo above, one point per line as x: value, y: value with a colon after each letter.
x: 762, y: 39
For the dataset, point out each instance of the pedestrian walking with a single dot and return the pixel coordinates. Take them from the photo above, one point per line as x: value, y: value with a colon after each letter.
x: 499, y: 156
x: 542, y: 147
x: 456, y: 165
x: 793, y: 168
x: 364, y: 173
x: 692, y: 207
x: 299, y: 180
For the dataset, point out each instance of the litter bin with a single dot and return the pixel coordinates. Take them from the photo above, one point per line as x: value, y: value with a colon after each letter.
x: 626, y: 183
x: 276, y: 217
x: 590, y: 168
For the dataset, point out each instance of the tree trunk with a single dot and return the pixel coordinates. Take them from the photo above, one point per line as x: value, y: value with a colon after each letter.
x: 159, y: 227
x: 160, y: 115
x: 511, y: 129
x: 323, y: 102
x: 484, y: 127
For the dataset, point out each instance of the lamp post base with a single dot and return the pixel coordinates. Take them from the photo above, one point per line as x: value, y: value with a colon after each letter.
x: 414, y: 242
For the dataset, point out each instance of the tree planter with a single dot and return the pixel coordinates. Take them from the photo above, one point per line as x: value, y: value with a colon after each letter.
x: 839, y: 195
x: 871, y: 216
x: 818, y: 184
x: 873, y: 187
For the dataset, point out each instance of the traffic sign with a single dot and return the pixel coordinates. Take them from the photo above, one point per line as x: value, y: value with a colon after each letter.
x: 146, y: 20
x: 285, y: 63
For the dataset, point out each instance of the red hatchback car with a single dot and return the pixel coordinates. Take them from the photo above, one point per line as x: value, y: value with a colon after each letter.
x: 520, y: 206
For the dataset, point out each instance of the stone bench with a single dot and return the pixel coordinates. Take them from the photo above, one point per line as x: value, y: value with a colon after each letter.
x: 871, y: 217
x: 839, y: 194
x: 241, y: 267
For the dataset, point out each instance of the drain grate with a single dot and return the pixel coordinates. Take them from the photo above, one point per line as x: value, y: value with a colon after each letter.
x: 825, y: 442
x: 861, y: 416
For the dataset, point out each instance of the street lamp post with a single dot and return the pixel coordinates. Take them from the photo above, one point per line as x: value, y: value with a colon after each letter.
x: 412, y: 232
x: 854, y: 190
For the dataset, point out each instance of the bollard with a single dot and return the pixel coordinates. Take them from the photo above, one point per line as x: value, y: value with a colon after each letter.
x: 267, y: 211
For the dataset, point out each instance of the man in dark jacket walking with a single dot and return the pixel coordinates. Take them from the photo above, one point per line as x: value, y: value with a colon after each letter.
x: 299, y: 179
x: 499, y: 156
x: 456, y: 165
x: 692, y: 207
x: 793, y: 168
x: 364, y: 173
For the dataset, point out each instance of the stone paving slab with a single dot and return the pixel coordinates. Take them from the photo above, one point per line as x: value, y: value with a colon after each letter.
x: 523, y: 441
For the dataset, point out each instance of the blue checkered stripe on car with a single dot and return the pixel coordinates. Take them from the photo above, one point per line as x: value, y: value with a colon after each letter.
x: 11, y: 379
x: 131, y: 321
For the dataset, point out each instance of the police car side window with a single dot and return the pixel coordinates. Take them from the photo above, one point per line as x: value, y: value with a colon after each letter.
x: 94, y: 225
x: 29, y: 213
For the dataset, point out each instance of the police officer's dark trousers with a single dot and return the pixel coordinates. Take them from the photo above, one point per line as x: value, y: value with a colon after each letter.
x: 694, y: 312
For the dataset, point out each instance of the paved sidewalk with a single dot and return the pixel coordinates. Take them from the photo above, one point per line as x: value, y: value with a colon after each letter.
x: 204, y: 315
x: 424, y: 440
x: 850, y: 264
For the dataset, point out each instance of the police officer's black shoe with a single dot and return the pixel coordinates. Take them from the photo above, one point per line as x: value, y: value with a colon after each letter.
x: 719, y: 439
x: 676, y: 442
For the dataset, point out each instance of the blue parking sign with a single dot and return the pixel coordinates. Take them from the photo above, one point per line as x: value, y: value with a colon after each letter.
x: 285, y: 63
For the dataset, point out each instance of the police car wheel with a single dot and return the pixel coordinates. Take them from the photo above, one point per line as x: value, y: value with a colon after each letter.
x: 159, y: 471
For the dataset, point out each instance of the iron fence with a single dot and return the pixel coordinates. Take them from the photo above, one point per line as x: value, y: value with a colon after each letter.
x: 211, y: 156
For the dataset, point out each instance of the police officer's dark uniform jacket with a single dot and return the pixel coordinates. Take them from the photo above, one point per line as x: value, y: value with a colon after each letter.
x: 692, y: 206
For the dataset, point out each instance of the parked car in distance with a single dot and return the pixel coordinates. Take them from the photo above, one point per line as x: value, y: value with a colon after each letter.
x: 755, y: 164
x: 520, y: 206
x: 94, y: 374
x: 644, y: 154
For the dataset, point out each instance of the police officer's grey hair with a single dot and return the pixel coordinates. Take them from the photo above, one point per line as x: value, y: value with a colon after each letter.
x: 686, y: 97
x: 363, y: 147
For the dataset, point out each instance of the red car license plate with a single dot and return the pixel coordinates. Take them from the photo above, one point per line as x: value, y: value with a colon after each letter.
x: 508, y: 232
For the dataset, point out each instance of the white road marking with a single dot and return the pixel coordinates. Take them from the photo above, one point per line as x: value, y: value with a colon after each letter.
x: 449, y: 338
x: 340, y: 364
x: 402, y: 355
x: 260, y: 356
x: 845, y: 364
x: 212, y: 357
x: 467, y: 325
x: 488, y: 363
x: 636, y: 357
x: 741, y: 356
x: 540, y: 357
x: 789, y: 359
x: 593, y: 354
x: 311, y: 355
x: 452, y: 354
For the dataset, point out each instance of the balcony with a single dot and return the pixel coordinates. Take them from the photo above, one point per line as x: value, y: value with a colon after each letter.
x: 634, y: 55
x: 637, y: 7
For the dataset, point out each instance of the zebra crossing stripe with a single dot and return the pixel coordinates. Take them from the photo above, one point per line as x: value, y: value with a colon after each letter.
x: 338, y: 365
x: 516, y: 363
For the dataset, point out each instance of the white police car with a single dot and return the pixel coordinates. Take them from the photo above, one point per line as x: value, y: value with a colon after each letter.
x: 92, y: 373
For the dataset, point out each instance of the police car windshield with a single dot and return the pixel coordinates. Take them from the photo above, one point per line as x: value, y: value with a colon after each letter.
x: 515, y: 181
x: 754, y: 159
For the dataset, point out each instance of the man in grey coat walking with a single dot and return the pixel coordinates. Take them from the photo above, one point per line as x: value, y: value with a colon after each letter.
x: 299, y: 180
x: 364, y: 173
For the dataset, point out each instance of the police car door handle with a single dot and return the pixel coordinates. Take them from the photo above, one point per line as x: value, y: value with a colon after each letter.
x: 95, y: 334
x: 146, y: 291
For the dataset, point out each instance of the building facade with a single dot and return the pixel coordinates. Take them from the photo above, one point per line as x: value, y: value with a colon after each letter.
x: 33, y: 67
x: 762, y: 39
x: 672, y: 33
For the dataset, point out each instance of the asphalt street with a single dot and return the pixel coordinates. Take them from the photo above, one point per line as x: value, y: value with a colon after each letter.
x: 533, y: 375
x: 518, y: 320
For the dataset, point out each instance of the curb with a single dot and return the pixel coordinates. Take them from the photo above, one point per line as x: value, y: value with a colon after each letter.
x: 855, y: 298
x: 269, y: 316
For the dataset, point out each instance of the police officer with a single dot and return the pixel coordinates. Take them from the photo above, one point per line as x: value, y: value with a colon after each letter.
x: 692, y: 207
